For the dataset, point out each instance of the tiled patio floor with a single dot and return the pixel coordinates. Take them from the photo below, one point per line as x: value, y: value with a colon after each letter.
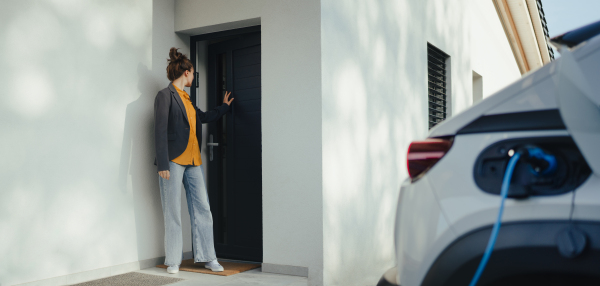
x: 251, y: 277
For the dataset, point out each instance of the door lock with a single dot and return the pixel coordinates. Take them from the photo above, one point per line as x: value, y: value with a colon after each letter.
x: 211, y: 144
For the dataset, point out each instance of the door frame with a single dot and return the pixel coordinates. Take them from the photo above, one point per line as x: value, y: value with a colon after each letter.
x: 195, y: 85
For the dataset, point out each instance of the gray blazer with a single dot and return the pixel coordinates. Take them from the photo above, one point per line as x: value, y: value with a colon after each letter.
x: 172, y: 128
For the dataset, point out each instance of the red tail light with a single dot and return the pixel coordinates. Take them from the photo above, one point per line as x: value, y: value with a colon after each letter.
x: 422, y: 155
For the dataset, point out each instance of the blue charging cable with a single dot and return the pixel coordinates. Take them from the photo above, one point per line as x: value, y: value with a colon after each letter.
x: 545, y: 164
x: 503, y: 193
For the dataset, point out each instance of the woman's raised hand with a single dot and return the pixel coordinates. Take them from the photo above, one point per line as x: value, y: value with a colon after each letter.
x: 227, y: 93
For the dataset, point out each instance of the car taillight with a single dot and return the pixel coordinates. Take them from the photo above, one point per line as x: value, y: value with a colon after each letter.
x: 422, y: 155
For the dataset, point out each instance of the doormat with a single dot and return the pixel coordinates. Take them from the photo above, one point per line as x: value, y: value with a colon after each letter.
x: 230, y: 267
x: 132, y: 279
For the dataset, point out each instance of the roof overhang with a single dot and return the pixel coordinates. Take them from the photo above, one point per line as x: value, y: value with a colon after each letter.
x: 524, y: 25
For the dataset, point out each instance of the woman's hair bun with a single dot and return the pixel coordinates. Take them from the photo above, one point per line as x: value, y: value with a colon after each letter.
x: 178, y: 64
x: 174, y: 55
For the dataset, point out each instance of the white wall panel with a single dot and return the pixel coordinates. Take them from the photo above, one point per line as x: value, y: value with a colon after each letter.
x: 80, y: 191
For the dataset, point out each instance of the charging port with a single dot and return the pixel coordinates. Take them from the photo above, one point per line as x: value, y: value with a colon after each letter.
x: 533, y: 177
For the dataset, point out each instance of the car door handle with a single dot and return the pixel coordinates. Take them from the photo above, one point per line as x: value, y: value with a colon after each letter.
x: 212, y: 144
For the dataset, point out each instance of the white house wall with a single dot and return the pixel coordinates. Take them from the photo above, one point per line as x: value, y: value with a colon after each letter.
x: 343, y: 94
x: 374, y: 101
x: 80, y: 197
x: 291, y: 120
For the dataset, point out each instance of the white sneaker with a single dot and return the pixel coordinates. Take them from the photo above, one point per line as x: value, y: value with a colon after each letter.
x: 173, y: 269
x: 214, y: 266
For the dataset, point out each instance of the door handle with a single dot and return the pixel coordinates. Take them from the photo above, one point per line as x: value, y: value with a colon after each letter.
x: 211, y: 144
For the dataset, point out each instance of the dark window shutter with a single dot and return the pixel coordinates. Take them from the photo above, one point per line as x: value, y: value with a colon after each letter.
x: 437, y: 79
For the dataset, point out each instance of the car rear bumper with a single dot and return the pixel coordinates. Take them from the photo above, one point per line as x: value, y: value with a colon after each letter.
x: 523, y: 249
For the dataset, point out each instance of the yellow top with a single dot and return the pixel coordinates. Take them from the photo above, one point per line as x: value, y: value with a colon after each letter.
x: 191, y: 155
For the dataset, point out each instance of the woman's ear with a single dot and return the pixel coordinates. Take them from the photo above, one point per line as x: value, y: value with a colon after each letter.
x: 190, y: 75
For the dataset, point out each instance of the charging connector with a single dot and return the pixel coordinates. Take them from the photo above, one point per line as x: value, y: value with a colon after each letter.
x: 542, y: 163
x: 548, y: 166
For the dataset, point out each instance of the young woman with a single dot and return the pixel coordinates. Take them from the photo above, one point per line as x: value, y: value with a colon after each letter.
x: 178, y: 136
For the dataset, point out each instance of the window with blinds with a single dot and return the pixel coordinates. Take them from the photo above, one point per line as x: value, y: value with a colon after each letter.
x: 437, y: 81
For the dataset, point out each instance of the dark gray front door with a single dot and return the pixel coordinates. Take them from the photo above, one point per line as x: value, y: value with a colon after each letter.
x: 234, y: 168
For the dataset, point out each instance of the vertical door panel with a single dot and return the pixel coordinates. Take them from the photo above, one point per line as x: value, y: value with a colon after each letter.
x: 236, y: 169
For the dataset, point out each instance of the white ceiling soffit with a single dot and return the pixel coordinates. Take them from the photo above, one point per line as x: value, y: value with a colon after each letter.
x: 523, y: 27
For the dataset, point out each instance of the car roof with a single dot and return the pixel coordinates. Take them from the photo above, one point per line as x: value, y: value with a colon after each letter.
x: 577, y: 36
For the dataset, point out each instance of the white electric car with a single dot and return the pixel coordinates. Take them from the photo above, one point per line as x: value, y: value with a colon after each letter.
x: 550, y: 226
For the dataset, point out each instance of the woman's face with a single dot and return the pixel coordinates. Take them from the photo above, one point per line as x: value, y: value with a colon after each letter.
x: 189, y: 77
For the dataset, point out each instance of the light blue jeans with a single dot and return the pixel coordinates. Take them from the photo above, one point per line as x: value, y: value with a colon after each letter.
x: 192, y: 178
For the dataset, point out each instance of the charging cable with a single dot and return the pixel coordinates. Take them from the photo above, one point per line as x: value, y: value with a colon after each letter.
x: 540, y: 163
x: 503, y: 193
